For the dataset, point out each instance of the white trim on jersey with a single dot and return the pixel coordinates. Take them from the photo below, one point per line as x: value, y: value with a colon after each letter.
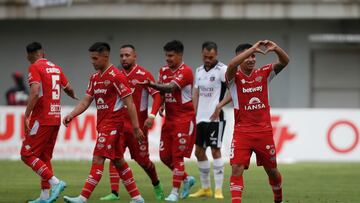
x: 233, y: 93
x: 186, y: 94
x: 144, y: 100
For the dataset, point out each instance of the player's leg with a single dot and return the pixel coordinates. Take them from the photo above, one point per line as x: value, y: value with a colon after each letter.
x: 217, y: 132
x: 240, y: 154
x: 165, y: 146
x: 266, y: 157
x: 202, y: 136
x: 32, y: 149
x: 96, y: 172
x: 114, y: 184
x: 127, y: 179
x: 140, y: 153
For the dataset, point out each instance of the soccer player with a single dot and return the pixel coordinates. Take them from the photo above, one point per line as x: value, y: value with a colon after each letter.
x: 109, y: 87
x: 139, y: 151
x: 178, y: 132
x: 209, y: 91
x: 42, y: 119
x: 252, y: 130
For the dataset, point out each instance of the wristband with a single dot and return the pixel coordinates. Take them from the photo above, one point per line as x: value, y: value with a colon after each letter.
x: 152, y: 116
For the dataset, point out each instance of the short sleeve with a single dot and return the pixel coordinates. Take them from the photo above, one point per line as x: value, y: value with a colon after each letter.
x: 223, y: 73
x: 90, y: 88
x: 269, y: 71
x: 64, y: 80
x: 34, y: 75
x: 121, y: 85
x: 196, y: 82
x: 183, y: 77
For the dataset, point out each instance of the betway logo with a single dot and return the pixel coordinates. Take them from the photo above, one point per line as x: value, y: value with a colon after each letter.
x: 252, y: 89
x: 100, y: 91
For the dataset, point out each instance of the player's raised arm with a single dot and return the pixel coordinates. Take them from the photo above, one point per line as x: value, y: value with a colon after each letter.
x: 33, y: 98
x: 79, y: 109
x: 128, y: 101
x: 239, y: 58
x: 283, y: 58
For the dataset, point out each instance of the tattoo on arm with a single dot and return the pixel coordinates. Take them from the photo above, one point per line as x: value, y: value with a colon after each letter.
x: 164, y: 88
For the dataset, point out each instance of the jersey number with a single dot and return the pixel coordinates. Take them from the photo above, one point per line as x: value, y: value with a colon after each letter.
x: 55, y: 87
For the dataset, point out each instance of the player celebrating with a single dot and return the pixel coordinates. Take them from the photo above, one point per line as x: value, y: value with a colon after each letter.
x: 178, y: 131
x: 209, y: 91
x: 253, y: 131
x: 109, y: 87
x: 42, y: 119
x: 139, y: 151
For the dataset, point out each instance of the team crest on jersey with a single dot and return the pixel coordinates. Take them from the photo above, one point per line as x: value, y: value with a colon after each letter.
x: 180, y: 76
x: 258, y: 78
x: 107, y: 82
x: 112, y: 73
x: 243, y: 81
x: 101, y: 139
x: 212, y: 78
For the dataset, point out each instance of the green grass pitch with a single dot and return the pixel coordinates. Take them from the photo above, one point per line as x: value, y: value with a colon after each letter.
x: 302, y: 182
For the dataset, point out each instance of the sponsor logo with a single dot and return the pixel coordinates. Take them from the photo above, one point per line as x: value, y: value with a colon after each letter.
x: 100, y: 146
x: 55, y: 108
x: 140, y: 72
x: 101, y: 139
x: 100, y: 91
x: 182, y: 147
x: 100, y: 101
x: 101, y: 104
x: 52, y: 70
x: 169, y: 98
x: 252, y: 89
x: 164, y: 77
x: 182, y: 141
x: 107, y: 82
x: 109, y: 147
x: 142, y: 147
x: 254, y: 104
x: 113, y: 132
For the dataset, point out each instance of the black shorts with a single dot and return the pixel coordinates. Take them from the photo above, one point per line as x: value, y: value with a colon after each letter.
x: 210, y: 134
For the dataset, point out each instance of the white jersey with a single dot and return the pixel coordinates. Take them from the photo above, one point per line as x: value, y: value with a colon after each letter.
x: 212, y: 86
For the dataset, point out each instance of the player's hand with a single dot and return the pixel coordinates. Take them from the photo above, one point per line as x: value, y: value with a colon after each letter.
x: 162, y: 111
x: 67, y: 120
x: 27, y: 124
x: 149, y: 122
x: 270, y: 46
x: 259, y: 46
x: 215, y: 116
x: 139, y: 134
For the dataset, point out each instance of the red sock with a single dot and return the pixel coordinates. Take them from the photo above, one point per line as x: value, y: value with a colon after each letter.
x: 128, y: 180
x: 95, y: 175
x: 236, y: 188
x: 45, y: 183
x: 276, y: 187
x: 178, y: 172
x: 39, y: 167
x: 114, y: 177
x: 151, y: 172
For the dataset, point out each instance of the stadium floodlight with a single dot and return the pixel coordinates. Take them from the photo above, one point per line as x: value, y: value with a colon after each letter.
x: 46, y: 3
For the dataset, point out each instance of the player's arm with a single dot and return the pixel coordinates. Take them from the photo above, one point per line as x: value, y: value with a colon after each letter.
x: 33, y: 98
x: 164, y: 88
x: 227, y: 99
x: 157, y: 102
x: 283, y: 58
x: 70, y: 91
x: 79, y: 109
x: 238, y: 59
x: 195, y: 98
x: 128, y: 101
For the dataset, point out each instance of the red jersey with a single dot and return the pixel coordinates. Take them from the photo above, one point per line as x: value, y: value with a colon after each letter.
x: 140, y: 93
x: 250, y: 97
x: 108, y: 89
x: 178, y: 104
x: 50, y: 77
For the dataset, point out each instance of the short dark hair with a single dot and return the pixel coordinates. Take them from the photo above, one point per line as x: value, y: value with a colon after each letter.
x: 209, y: 45
x: 128, y: 46
x: 99, y: 47
x: 242, y: 47
x: 33, y: 46
x: 175, y: 45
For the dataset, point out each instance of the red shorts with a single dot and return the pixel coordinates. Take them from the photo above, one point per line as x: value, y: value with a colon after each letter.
x: 177, y: 139
x: 138, y: 150
x: 40, y: 141
x: 243, y: 144
x: 108, y: 143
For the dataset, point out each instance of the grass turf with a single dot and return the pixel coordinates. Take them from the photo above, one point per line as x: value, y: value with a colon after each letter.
x: 302, y: 182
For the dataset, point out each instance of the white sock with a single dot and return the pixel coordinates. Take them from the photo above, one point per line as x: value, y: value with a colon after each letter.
x: 136, y: 197
x: 44, y: 194
x: 204, y: 168
x: 175, y: 191
x: 54, y: 181
x: 84, y: 199
x: 218, y: 173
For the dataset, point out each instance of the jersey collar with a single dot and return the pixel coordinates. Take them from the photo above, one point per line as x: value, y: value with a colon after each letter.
x: 101, y: 74
x: 132, y: 70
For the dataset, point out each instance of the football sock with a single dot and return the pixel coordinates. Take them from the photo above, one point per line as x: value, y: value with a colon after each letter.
x: 178, y: 173
x: 218, y: 173
x: 114, y: 178
x: 276, y: 188
x: 39, y: 167
x: 236, y: 188
x: 128, y: 180
x: 204, y: 168
x: 45, y: 183
x: 95, y: 175
x: 54, y: 181
x: 175, y: 191
x: 44, y: 194
x: 151, y: 172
